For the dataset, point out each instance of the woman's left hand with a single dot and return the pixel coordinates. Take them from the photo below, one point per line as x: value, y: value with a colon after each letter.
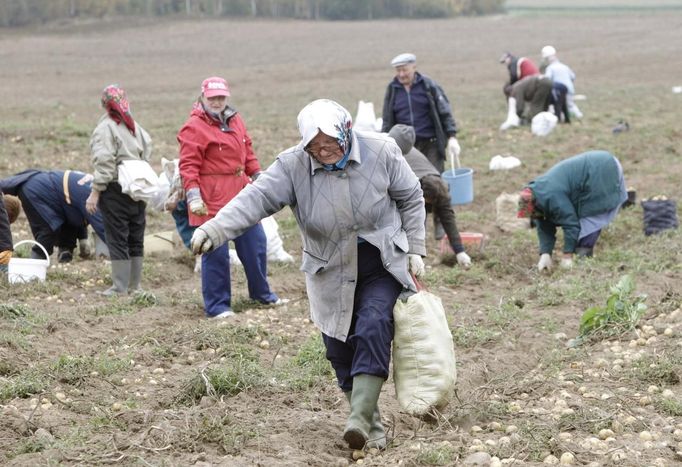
x: 91, y: 202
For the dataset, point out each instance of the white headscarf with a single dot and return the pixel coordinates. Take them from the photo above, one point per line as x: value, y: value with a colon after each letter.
x: 330, y: 118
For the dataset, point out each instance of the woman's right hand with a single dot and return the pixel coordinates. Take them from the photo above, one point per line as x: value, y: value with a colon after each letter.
x: 91, y: 202
x: 195, y: 203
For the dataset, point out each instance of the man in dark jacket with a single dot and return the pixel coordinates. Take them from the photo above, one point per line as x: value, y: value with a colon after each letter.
x: 417, y: 100
x: 436, y: 194
x: 581, y: 195
x: 54, y: 203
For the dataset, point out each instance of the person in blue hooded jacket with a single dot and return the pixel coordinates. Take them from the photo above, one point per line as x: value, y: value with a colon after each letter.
x: 582, y: 195
x: 54, y: 204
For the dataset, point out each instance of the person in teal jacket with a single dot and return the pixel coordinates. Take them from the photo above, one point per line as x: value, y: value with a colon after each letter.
x: 582, y: 195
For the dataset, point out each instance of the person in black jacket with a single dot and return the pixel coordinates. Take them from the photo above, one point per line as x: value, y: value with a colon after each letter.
x: 418, y: 101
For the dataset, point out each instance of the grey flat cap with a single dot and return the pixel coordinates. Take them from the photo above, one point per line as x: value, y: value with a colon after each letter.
x: 403, y: 59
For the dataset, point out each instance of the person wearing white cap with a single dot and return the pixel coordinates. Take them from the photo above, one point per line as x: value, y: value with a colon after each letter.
x: 216, y: 162
x: 561, y: 73
x: 360, y: 210
x: 416, y: 100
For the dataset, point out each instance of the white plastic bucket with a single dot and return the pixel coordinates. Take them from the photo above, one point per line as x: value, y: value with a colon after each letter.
x: 22, y: 270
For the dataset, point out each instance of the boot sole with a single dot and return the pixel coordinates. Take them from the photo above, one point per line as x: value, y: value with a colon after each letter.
x: 356, y: 439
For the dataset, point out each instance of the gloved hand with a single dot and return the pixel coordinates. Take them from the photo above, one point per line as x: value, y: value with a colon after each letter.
x: 453, y: 147
x: 5, y: 256
x: 545, y: 262
x: 463, y: 259
x: 201, y: 242
x: 84, y: 250
x: 195, y: 203
x: 416, y: 265
x: 567, y: 262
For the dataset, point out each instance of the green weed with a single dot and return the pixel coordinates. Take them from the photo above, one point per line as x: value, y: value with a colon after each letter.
x: 144, y: 299
x: 620, y: 315
x: 437, y: 455
x: 74, y: 370
x: 237, y: 374
x: 672, y: 407
x: 25, y: 384
x: 13, y: 310
x: 214, y: 430
x: 474, y: 336
x: 309, y: 366
x: 659, y: 370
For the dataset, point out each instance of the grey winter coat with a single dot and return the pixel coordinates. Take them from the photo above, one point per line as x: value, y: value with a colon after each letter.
x: 376, y: 197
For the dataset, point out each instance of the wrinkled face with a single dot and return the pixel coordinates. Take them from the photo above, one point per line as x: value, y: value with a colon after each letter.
x: 215, y: 104
x: 405, y: 73
x: 325, y: 149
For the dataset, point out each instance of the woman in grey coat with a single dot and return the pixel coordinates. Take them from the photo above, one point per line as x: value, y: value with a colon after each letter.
x: 360, y: 210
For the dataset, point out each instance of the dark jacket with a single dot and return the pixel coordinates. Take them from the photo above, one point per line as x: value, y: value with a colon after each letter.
x: 439, y: 107
x: 5, y: 233
x: 56, y: 202
x: 582, y: 186
x: 436, y: 192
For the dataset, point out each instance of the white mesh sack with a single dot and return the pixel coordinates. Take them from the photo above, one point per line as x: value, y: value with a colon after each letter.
x: 543, y: 123
x: 506, y: 207
x: 424, y: 367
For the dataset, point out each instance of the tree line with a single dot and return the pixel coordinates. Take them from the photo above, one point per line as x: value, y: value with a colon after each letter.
x: 23, y: 12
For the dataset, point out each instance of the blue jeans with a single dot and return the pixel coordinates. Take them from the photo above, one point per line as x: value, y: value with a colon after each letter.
x: 251, y: 248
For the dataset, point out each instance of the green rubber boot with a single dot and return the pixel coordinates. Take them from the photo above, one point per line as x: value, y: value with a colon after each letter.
x: 120, y: 276
x: 135, y: 274
x: 377, y: 435
x: 363, y: 404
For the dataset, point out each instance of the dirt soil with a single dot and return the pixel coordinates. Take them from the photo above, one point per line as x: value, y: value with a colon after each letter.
x: 147, y: 380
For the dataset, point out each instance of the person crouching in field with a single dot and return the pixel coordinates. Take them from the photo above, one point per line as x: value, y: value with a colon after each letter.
x: 216, y: 162
x: 436, y: 193
x: 360, y: 210
x: 54, y: 203
x: 526, y: 98
x: 8, y: 214
x: 117, y: 138
x: 582, y: 195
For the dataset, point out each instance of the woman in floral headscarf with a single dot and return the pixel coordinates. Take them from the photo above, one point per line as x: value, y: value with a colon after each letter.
x: 117, y: 138
x: 360, y: 210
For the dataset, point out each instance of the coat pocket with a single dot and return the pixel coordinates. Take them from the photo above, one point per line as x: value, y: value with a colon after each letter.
x: 400, y: 241
x: 312, y: 264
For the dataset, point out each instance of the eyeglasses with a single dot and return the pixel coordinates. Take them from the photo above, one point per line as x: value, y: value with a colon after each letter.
x: 316, y: 149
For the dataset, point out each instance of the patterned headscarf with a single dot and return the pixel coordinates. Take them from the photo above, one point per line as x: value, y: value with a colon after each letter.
x: 115, y: 101
x: 526, y: 203
x: 330, y: 118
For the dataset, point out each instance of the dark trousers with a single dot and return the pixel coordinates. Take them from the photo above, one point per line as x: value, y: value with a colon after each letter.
x: 429, y: 147
x: 541, y: 98
x: 64, y: 238
x: 437, y: 196
x: 558, y: 100
x: 181, y: 219
x: 216, y: 285
x: 124, y: 223
x: 590, y: 240
x: 368, y: 347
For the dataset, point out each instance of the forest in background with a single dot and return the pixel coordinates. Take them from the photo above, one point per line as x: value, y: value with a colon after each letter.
x: 14, y: 13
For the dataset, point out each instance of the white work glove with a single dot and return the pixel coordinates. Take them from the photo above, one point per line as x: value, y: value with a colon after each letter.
x: 453, y: 147
x: 463, y: 259
x: 195, y: 203
x: 416, y: 265
x: 545, y: 263
x: 201, y: 242
x: 566, y: 262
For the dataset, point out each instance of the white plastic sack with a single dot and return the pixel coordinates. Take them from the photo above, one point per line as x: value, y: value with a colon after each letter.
x: 138, y: 180
x: 159, y: 199
x: 506, y: 207
x: 543, y: 123
x: 366, y: 119
x: 504, y: 163
x: 424, y: 368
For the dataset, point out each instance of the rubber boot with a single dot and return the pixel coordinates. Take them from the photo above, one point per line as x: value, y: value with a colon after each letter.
x: 377, y: 434
x: 512, y: 118
x: 363, y: 403
x: 120, y: 276
x: 135, y: 274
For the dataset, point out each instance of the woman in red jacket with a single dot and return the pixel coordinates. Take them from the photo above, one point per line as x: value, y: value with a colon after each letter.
x: 216, y: 162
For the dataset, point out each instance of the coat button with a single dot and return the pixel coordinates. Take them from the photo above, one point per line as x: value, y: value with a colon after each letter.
x: 387, y: 264
x: 355, y: 227
x: 342, y: 175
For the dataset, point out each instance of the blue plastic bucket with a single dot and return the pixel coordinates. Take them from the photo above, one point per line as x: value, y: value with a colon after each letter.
x: 461, y: 183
